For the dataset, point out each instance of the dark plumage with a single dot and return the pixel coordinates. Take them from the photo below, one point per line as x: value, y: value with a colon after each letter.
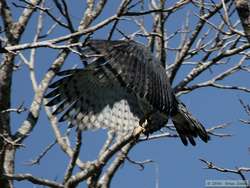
x: 122, y: 85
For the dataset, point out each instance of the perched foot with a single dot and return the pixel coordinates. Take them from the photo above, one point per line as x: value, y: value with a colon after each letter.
x: 144, y: 123
x: 138, y: 130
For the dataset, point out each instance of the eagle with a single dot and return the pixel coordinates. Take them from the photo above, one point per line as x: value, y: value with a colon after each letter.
x: 122, y: 86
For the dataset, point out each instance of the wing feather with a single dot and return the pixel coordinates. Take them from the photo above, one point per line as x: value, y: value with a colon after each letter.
x: 91, y: 99
x: 135, y: 67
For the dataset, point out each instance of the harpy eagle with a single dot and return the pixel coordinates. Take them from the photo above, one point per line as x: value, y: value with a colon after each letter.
x: 122, y: 86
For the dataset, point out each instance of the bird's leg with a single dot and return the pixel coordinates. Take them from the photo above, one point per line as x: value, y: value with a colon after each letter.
x: 144, y: 122
x: 141, y: 128
x: 137, y: 131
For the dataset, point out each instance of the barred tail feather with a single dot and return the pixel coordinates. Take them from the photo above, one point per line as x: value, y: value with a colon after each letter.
x: 187, y: 126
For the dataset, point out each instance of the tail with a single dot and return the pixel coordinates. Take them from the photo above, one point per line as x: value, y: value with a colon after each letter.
x: 186, y: 125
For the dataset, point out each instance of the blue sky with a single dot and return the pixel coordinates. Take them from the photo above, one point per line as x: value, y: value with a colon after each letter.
x: 174, y: 164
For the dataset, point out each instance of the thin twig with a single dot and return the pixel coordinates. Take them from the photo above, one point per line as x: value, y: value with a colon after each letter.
x: 42, y: 154
x: 74, y: 158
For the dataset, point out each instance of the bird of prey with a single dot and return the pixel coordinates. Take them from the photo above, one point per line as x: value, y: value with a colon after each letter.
x: 122, y: 86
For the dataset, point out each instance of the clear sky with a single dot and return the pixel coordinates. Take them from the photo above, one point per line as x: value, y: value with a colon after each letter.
x: 174, y: 164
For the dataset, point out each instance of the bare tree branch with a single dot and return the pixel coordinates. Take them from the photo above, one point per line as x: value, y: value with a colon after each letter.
x: 190, y: 41
x: 239, y: 170
x: 102, y: 160
x: 213, y: 82
x: 106, y: 178
x: 74, y: 157
x: 33, y: 179
x: 199, y: 69
x: 13, y: 31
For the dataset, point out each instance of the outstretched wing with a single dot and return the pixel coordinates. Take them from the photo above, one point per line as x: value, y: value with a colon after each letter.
x: 90, y: 101
x: 134, y: 67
